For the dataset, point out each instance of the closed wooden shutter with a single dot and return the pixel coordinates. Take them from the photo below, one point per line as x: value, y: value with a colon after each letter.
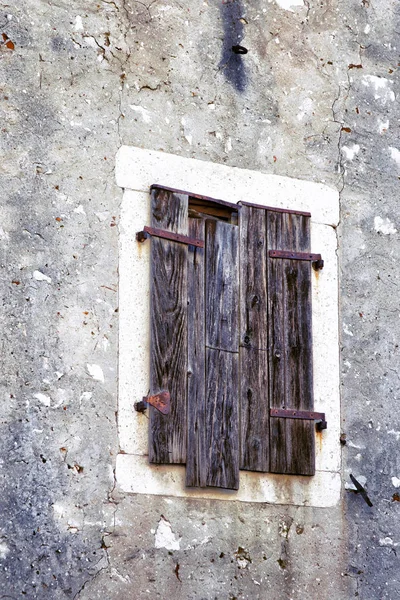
x: 213, y: 412
x: 168, y: 348
x: 254, y: 403
x: 195, y: 343
x: 230, y: 339
x: 292, y: 441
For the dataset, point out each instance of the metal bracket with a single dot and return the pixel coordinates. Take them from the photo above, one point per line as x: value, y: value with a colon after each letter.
x: 160, y: 401
x: 308, y: 415
x: 141, y: 236
x: 360, y: 490
x: 239, y: 49
x: 316, y: 259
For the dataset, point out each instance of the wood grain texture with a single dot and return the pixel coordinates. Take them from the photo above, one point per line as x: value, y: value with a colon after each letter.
x: 254, y: 390
x: 196, y: 461
x: 222, y: 383
x: 222, y: 359
x: 222, y: 285
x: 168, y: 363
x: 291, y: 385
x: 253, y: 278
x: 254, y: 410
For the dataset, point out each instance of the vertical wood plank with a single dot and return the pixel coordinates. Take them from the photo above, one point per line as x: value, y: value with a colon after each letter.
x: 277, y: 395
x: 222, y: 359
x: 254, y: 410
x: 196, y: 461
x: 253, y: 278
x: 292, y: 440
x: 254, y: 403
x: 222, y: 286
x: 222, y: 369
x: 168, y: 363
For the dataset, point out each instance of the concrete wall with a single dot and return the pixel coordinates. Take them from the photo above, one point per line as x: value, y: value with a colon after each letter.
x: 315, y: 98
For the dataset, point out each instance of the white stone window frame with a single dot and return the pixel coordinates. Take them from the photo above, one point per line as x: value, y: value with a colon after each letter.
x: 136, y: 170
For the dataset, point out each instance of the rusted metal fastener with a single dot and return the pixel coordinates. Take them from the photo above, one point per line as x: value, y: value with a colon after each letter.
x: 316, y: 259
x: 360, y: 490
x: 318, y: 264
x: 239, y: 49
x: 141, y: 236
x: 307, y: 415
x: 160, y: 401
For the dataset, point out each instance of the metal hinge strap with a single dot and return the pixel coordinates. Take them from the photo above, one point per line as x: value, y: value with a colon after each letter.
x: 314, y: 258
x: 141, y: 236
x: 160, y: 401
x: 309, y: 415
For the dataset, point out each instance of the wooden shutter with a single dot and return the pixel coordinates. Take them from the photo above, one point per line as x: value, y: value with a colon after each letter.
x: 168, y: 348
x: 275, y: 342
x: 292, y: 441
x: 213, y: 415
x: 196, y: 463
x: 254, y: 404
x: 206, y: 304
x: 195, y: 343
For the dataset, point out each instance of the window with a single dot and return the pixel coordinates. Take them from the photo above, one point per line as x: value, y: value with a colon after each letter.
x: 230, y: 338
x: 136, y: 170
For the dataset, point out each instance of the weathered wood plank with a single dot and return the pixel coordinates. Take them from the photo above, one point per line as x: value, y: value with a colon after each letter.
x: 291, y: 385
x: 168, y: 363
x: 253, y: 279
x: 196, y: 461
x: 254, y: 403
x: 222, y: 359
x: 222, y: 286
x: 254, y: 410
x: 222, y: 383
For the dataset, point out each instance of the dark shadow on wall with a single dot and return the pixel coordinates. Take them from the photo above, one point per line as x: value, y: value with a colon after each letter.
x: 232, y: 64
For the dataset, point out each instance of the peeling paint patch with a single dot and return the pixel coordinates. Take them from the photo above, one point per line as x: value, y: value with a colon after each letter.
x: 96, y: 372
x: 164, y: 536
x: 78, y: 25
x: 396, y: 482
x: 384, y: 226
x: 39, y: 276
x: 143, y: 112
x: 387, y: 541
x: 381, y: 87
x: 383, y: 126
x: 395, y: 433
x: 350, y: 152
x: 287, y: 4
x: 45, y: 400
x: 306, y: 108
x: 228, y: 145
x: 4, y: 550
x: 85, y: 396
x: 395, y: 154
x: 347, y: 330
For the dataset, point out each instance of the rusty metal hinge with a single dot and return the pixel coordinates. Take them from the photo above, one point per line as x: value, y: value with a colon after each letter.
x: 316, y: 259
x: 141, y: 236
x: 160, y: 401
x: 309, y: 415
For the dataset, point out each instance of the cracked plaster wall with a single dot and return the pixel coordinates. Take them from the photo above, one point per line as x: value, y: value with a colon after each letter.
x: 318, y: 101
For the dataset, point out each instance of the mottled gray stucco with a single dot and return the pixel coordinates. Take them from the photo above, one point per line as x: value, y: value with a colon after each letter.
x: 83, y: 79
